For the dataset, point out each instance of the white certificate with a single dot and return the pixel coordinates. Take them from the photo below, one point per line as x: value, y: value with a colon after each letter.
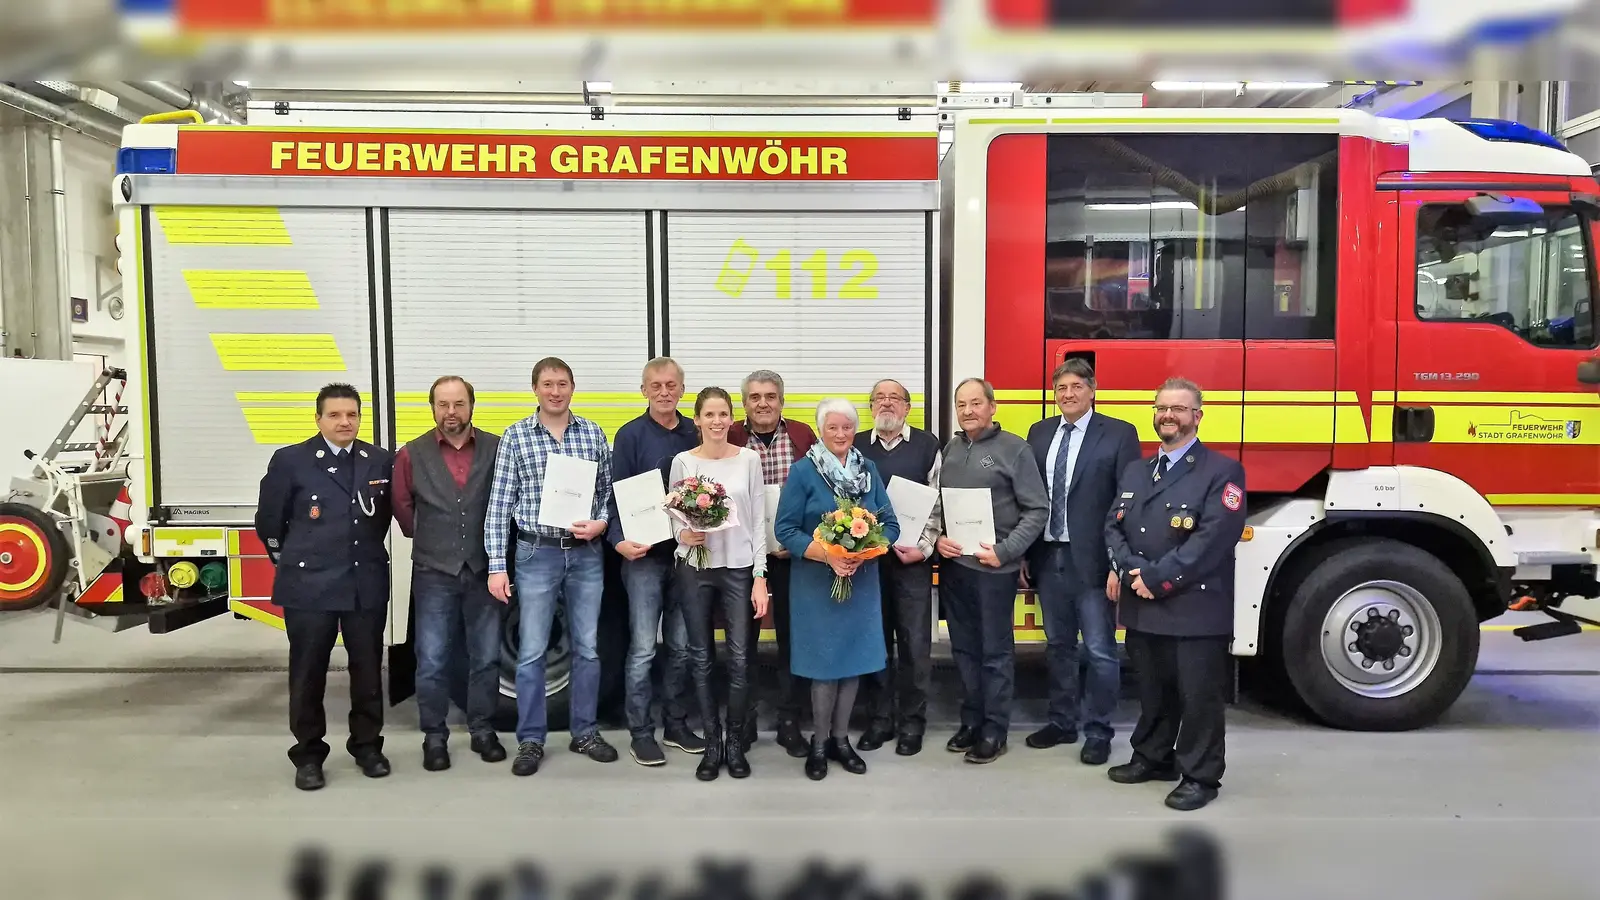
x: 912, y: 504
x: 644, y: 520
x: 968, y: 518
x: 772, y: 493
x: 568, y: 494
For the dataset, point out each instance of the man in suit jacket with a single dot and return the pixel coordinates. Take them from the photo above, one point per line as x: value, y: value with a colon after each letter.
x: 1172, y: 535
x: 1081, y: 454
x: 324, y: 514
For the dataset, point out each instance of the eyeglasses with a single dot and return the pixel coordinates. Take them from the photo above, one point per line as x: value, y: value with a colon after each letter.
x: 890, y: 398
x: 1173, y: 409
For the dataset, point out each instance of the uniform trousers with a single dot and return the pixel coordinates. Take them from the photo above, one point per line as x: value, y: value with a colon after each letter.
x: 312, y: 634
x: 1183, y: 702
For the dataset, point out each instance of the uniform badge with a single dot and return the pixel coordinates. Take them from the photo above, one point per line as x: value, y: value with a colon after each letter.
x: 319, y: 454
x: 1119, y: 514
x: 1188, y: 523
x: 1128, y: 495
x: 1232, y: 497
x: 987, y: 462
x: 316, y: 511
x: 1166, y: 585
x: 1176, y: 521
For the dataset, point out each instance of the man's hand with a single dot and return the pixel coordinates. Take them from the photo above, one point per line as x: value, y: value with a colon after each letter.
x: 500, y: 587
x: 632, y: 549
x: 588, y: 530
x: 1113, y: 587
x: 987, y: 556
x: 947, y: 548
x: 759, y: 598
x: 909, y: 555
x: 691, y: 538
x: 1022, y: 576
x: 1138, y: 585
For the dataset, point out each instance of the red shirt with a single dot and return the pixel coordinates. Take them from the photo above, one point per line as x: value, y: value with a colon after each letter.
x: 458, y: 461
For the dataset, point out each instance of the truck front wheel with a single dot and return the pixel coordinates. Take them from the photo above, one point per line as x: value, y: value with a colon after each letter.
x: 1379, y: 636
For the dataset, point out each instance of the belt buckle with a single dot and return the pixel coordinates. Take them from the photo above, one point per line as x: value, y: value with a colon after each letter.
x: 568, y: 542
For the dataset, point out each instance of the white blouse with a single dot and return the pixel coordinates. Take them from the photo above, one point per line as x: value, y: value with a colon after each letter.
x: 745, y: 544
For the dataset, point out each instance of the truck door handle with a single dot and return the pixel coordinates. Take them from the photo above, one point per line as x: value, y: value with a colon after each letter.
x: 1413, y: 424
x: 1589, y: 371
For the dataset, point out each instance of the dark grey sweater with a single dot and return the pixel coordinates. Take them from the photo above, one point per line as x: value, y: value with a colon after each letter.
x: 1005, y: 464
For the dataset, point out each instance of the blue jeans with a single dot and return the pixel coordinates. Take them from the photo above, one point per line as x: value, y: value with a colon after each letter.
x: 448, y: 605
x: 978, y: 607
x: 544, y: 575
x: 1071, y: 604
x: 654, y: 606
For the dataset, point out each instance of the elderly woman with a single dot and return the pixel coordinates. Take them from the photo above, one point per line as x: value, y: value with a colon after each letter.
x: 833, y: 643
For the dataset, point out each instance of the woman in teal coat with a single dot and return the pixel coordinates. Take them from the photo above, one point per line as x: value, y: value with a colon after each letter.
x: 833, y: 643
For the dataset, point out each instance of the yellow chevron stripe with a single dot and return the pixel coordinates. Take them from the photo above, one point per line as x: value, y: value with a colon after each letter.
x: 223, y: 226
x: 289, y: 421
x: 1544, y: 499
x: 222, y: 289
x: 278, y: 352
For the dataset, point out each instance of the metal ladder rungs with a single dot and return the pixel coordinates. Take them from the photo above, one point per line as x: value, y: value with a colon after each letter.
x: 108, y: 410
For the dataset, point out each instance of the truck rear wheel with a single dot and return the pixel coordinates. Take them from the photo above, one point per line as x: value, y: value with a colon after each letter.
x: 33, y: 558
x: 1379, y: 636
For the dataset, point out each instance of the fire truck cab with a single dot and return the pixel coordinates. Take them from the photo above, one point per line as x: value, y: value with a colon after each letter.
x: 1393, y: 324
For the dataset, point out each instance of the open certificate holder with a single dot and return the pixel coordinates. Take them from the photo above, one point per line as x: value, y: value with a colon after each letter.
x: 568, y: 493
x: 912, y: 503
x: 968, y: 518
x: 639, y: 504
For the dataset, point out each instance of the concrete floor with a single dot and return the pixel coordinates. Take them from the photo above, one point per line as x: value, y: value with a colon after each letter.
x: 142, y: 766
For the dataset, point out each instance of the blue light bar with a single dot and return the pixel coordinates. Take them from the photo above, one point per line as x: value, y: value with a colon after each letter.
x: 1510, y: 132
x: 147, y: 161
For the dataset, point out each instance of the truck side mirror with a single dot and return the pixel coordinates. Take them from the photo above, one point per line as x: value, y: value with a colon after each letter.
x: 1589, y: 371
x: 1491, y: 211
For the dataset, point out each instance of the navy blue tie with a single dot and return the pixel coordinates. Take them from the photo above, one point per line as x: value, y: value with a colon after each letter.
x: 1058, y: 483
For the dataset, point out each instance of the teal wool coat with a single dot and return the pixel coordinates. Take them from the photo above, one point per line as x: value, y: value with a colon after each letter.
x: 828, y: 639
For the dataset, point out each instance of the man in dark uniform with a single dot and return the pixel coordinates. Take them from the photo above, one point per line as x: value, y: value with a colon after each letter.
x: 1171, y: 535
x: 323, y: 515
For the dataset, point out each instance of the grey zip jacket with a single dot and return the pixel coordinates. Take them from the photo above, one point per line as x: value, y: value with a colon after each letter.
x: 1005, y: 464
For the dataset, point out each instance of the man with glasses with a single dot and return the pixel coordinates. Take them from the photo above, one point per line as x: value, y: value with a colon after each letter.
x: 901, y: 451
x: 1172, y: 534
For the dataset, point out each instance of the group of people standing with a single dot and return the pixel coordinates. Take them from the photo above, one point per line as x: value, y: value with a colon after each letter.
x: 1075, y: 514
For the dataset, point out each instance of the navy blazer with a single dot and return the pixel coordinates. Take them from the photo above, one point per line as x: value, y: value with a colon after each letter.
x: 1109, y: 445
x: 326, y: 541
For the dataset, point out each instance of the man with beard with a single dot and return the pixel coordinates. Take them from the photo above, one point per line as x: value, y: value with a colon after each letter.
x: 441, y: 495
x: 1172, y: 535
x: 898, y: 450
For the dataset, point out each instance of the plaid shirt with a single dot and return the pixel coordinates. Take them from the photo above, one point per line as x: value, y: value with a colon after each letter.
x: 519, y: 479
x: 777, y: 458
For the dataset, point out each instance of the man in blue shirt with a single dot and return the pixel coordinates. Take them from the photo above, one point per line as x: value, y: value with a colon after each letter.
x: 551, y: 562
x: 648, y: 444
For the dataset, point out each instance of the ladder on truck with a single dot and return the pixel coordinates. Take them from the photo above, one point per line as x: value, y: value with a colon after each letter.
x: 108, y: 449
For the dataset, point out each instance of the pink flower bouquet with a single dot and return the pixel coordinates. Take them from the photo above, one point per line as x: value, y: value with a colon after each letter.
x: 700, y: 504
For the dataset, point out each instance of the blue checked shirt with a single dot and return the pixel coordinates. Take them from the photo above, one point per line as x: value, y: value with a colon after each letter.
x: 519, y: 479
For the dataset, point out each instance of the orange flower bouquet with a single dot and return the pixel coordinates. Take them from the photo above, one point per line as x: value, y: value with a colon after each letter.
x: 850, y: 532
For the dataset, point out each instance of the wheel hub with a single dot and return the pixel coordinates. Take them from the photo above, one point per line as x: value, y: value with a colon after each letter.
x: 24, y: 557
x: 1381, y: 639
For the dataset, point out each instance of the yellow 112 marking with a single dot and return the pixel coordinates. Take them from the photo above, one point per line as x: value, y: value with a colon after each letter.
x: 742, y: 258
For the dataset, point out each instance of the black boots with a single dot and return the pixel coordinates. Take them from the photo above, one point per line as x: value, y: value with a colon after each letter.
x: 738, y: 766
x: 817, y: 759
x: 840, y: 751
x: 711, y: 762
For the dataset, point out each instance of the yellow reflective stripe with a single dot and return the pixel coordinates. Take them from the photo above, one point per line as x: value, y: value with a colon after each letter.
x: 278, y: 352
x: 1544, y: 499
x: 222, y: 289
x: 223, y: 225
x: 291, y: 422
x: 251, y: 612
x: 1383, y: 423
x: 235, y: 548
x: 185, y: 535
x: 1508, y: 398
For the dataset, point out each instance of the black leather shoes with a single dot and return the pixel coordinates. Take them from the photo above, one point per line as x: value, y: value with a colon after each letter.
x: 1051, y: 735
x: 374, y: 765
x: 1138, y: 772
x: 309, y: 777
x: 711, y: 761
x: 817, y: 759
x: 678, y: 734
x: 488, y: 748
x: 1096, y: 751
x: 962, y: 740
x: 840, y: 751
x: 435, y: 756
x: 529, y: 755
x: 738, y: 765
x: 986, y: 750
x: 875, y: 737
x: 1190, y: 796
x: 791, y: 740
x: 909, y: 745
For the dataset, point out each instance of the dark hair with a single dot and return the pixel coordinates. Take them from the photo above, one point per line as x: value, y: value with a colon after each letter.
x: 706, y: 393
x: 1074, y: 365
x: 472, y: 395
x: 338, y: 391
x: 552, y: 362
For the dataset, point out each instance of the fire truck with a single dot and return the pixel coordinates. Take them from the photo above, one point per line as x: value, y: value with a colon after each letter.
x: 1392, y: 323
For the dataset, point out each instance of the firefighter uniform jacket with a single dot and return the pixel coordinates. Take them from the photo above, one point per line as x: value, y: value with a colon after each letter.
x: 324, y: 525
x: 1181, y: 533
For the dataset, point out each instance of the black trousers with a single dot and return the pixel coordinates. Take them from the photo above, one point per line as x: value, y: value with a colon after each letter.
x: 898, y: 695
x: 793, y: 691
x: 312, y: 634
x: 726, y: 590
x: 979, y: 608
x: 1183, y: 703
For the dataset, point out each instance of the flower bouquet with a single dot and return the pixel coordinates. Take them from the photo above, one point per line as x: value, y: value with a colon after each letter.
x: 700, y: 504
x: 850, y: 532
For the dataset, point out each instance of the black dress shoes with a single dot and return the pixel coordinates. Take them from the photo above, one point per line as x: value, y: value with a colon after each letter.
x: 986, y: 750
x: 1138, y: 772
x: 791, y: 740
x: 875, y: 737
x: 909, y: 745
x: 374, y: 765
x: 435, y: 756
x: 817, y: 759
x: 962, y: 740
x: 1096, y: 751
x: 1050, y: 736
x: 488, y: 747
x: 309, y: 777
x: 840, y: 751
x: 1190, y: 796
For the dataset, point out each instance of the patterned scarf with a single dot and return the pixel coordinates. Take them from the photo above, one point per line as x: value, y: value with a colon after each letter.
x: 848, y: 479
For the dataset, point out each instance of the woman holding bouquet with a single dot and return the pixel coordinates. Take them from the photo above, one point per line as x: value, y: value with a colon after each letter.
x: 722, y: 566
x: 834, y: 641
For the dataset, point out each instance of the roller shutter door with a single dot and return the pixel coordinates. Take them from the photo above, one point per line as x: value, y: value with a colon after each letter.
x: 253, y: 311
x: 830, y: 301
x: 486, y: 294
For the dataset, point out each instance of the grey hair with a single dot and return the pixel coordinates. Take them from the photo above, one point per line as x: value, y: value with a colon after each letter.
x: 904, y: 394
x: 1074, y: 365
x: 988, y: 389
x: 1176, y: 383
x: 839, y: 406
x: 659, y: 363
x: 766, y: 375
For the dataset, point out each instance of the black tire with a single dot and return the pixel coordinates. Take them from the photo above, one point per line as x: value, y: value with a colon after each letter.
x: 23, y: 529
x: 1326, y: 617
